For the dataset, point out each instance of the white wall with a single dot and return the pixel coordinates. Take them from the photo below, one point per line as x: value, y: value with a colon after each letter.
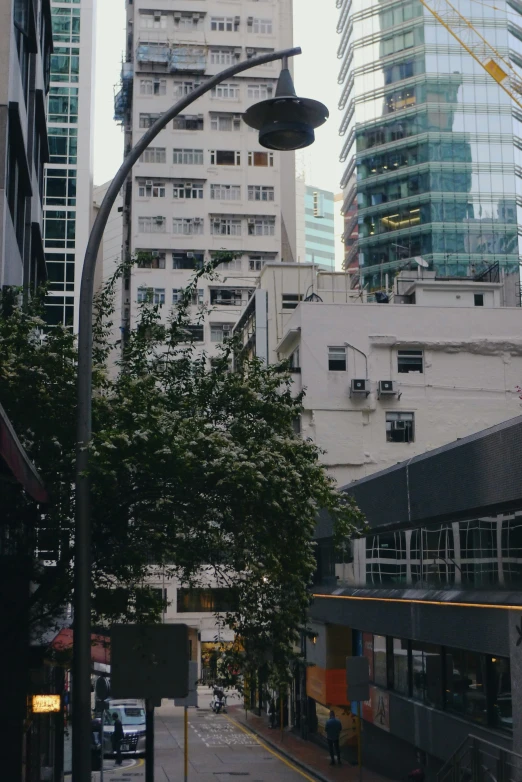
x: 473, y: 363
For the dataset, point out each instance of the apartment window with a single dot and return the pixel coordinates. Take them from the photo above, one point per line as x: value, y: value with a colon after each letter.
x: 219, y: 332
x: 183, y: 88
x: 410, y: 361
x: 479, y: 299
x: 256, y: 263
x: 260, y: 91
x: 398, y: 42
x: 233, y: 265
x: 60, y: 186
x: 225, y: 157
x: 151, y: 296
x: 226, y: 91
x: 466, y: 684
x: 225, y: 192
x: 147, y: 120
x: 188, y: 122
x: 400, y: 427
x: 63, y: 105
x: 153, y: 86
x: 65, y: 64
x: 261, y: 226
x: 63, y: 143
x: 291, y: 300
x: 260, y: 193
x: 261, y: 159
x: 182, y: 190
x: 232, y: 297
x: 152, y: 225
x: 337, y: 359
x: 188, y: 157
x: 195, y: 332
x: 187, y: 260
x: 150, y: 259
x: 295, y: 361
x: 225, y: 226
x: 59, y: 226
x: 196, y: 296
x: 187, y: 226
x: 147, y: 188
x: 225, y: 122
x: 153, y: 20
x: 66, y: 24
x: 154, y: 155
x: 223, y: 56
x: 224, y: 24
x: 260, y: 26
x: 188, y: 22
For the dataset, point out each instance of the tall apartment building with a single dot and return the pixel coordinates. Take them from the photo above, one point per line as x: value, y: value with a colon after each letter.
x: 434, y: 140
x: 206, y: 184
x: 25, y: 47
x: 68, y: 177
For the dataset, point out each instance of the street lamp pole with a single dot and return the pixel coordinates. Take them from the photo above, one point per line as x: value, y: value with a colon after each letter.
x: 298, y: 136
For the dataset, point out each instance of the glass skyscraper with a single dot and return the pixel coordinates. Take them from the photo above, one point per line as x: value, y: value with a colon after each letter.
x: 68, y: 176
x: 433, y: 140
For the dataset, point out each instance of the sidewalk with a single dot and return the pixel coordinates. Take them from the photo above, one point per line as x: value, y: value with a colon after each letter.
x: 308, y: 755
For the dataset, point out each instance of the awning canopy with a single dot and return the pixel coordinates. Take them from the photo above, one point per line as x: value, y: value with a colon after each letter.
x: 17, y: 461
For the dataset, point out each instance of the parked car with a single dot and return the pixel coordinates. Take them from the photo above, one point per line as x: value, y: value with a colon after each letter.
x: 132, y: 716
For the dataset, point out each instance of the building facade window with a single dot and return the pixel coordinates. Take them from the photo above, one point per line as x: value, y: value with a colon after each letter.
x: 289, y: 301
x: 151, y: 296
x: 260, y: 193
x: 260, y: 91
x: 410, y: 361
x: 224, y: 24
x: 147, y: 120
x: 65, y: 64
x: 223, y: 56
x: 152, y: 225
x: 225, y: 122
x: 226, y: 91
x: 466, y: 684
x: 153, y: 20
x: 153, y: 86
x: 225, y: 157
x: 400, y: 427
x: 225, y: 192
x: 188, y: 21
x: 197, y: 296
x: 188, y: 122
x: 195, y: 332
x: 184, y: 190
x: 225, y: 226
x: 183, y: 88
x: 187, y: 226
x: 188, y: 157
x: 147, y: 188
x: 151, y: 259
x: 337, y: 359
x: 63, y: 105
x: 260, y: 26
x: 219, y: 332
x: 154, y: 155
x: 261, y: 226
x: 183, y: 259
x: 426, y: 662
x: 264, y: 159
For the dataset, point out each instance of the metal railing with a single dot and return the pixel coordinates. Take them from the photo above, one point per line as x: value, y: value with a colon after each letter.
x: 478, y: 760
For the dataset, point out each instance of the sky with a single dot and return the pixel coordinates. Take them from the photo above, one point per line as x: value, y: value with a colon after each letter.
x: 315, y: 77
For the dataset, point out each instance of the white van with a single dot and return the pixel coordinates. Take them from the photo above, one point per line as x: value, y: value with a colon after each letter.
x: 132, y: 716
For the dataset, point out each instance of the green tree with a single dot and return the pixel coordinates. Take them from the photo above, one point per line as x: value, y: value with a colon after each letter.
x: 194, y: 469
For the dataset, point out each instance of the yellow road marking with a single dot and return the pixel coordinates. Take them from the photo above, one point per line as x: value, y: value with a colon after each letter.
x: 272, y: 752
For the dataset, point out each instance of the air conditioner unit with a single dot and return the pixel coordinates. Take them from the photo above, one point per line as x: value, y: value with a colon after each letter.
x: 190, y: 255
x: 387, y: 388
x: 250, y: 21
x: 251, y: 221
x: 177, y: 17
x: 148, y: 183
x: 188, y: 184
x: 359, y: 386
x: 249, y: 50
x: 157, y: 15
x: 158, y: 220
x: 196, y: 17
x: 197, y: 219
x: 237, y: 19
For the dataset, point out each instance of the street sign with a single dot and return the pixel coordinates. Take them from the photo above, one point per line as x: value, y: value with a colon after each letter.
x: 357, y: 679
x: 149, y: 661
x: 192, y: 697
x: 45, y: 704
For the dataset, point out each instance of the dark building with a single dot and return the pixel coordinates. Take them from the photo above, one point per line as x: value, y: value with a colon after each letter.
x: 25, y: 47
x: 432, y: 596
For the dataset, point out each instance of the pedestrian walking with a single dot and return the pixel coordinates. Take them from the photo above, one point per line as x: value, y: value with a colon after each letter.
x: 333, y: 729
x: 117, y: 737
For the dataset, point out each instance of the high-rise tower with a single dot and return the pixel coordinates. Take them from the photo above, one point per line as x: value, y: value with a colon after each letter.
x: 68, y: 177
x: 433, y: 139
x: 205, y: 184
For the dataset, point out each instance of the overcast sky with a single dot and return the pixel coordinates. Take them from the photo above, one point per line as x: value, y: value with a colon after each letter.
x: 315, y: 77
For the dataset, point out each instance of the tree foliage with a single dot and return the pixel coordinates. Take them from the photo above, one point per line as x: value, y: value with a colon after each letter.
x: 194, y: 469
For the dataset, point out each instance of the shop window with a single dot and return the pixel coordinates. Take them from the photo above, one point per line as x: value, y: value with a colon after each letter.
x: 206, y: 600
x: 465, y: 684
x: 501, y: 705
x: 380, y: 671
x: 426, y: 673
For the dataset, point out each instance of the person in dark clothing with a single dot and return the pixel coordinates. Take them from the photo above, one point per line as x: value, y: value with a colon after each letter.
x: 333, y: 729
x: 117, y: 737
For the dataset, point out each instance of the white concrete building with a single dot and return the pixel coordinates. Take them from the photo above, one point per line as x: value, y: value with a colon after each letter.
x: 385, y: 382
x: 68, y: 176
x: 206, y: 184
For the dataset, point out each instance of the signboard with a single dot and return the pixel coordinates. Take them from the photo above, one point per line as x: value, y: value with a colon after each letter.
x: 149, y: 661
x: 380, y: 708
x: 46, y: 704
x: 357, y: 679
x: 192, y: 697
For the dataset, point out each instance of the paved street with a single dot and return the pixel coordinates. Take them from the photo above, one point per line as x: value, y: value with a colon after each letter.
x: 219, y: 751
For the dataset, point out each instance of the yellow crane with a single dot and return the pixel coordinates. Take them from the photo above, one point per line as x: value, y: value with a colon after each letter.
x: 498, y: 67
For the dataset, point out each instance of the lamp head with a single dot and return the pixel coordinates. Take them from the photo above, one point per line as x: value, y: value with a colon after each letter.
x: 286, y: 122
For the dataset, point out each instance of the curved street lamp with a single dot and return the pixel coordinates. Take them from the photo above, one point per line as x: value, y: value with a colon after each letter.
x: 287, y: 123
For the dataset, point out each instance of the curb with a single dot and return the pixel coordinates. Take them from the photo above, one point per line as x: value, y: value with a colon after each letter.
x: 287, y: 755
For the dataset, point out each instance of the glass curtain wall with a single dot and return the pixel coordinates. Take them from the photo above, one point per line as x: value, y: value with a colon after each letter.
x: 433, y: 139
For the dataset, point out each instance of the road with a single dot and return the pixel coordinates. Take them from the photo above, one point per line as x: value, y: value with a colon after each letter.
x: 219, y: 751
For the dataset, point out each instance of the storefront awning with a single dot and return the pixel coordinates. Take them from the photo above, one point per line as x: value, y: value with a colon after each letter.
x: 17, y: 461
